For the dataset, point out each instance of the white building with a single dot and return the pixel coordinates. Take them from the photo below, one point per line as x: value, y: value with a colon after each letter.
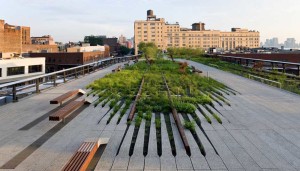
x: 14, y: 69
x: 86, y: 49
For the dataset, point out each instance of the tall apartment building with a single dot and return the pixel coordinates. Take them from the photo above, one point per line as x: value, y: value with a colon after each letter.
x: 166, y: 35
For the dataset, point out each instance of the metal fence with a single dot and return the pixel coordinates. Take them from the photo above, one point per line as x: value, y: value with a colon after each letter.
x: 270, y: 63
x: 25, y: 87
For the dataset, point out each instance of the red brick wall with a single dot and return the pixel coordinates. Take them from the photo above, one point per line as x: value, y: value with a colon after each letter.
x: 12, y: 40
x: 38, y: 48
x: 69, y: 58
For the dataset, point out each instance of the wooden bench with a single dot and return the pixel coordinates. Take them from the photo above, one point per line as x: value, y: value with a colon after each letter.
x: 117, y: 69
x: 258, y: 65
x: 127, y: 64
x: 66, y: 110
x: 83, y: 156
x: 63, y: 97
x: 135, y: 61
x: 196, y: 70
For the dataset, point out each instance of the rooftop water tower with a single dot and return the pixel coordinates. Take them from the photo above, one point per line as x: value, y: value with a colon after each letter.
x: 150, y: 15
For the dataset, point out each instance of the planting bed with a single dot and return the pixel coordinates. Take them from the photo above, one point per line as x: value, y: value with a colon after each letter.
x: 288, y: 82
x: 162, y: 87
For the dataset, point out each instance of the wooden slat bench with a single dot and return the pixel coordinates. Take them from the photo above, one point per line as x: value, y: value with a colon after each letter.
x: 66, y: 110
x: 117, y: 69
x: 83, y: 156
x: 196, y: 70
x: 63, y: 97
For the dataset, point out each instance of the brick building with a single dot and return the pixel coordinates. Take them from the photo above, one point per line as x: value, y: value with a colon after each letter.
x: 17, y: 39
x: 113, y: 45
x: 63, y: 60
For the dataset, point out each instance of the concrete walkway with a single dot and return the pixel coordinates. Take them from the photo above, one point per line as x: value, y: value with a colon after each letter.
x: 260, y: 131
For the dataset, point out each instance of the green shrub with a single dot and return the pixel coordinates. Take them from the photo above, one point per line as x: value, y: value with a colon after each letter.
x: 190, y: 125
x: 148, y: 115
x: 207, y: 119
x: 116, y: 108
x: 113, y: 103
x: 123, y: 111
x: 157, y: 123
x: 138, y: 121
x: 157, y: 108
x: 184, y: 107
x: 217, y: 118
x: 128, y: 102
x: 140, y: 114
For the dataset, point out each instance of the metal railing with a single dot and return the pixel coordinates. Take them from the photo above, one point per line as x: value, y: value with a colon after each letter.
x: 263, y: 80
x: 37, y: 83
x: 283, y: 64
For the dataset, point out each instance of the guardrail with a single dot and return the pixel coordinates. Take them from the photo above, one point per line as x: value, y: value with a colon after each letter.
x: 264, y: 79
x: 271, y: 62
x: 55, y: 78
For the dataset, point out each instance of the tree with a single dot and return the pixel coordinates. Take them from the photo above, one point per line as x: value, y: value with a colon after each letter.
x: 149, y: 50
x: 94, y: 40
x: 124, y: 50
x: 185, y: 52
x: 171, y: 52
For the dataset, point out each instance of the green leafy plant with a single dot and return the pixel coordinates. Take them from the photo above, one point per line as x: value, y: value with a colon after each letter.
x: 138, y: 121
x: 190, y: 125
x: 157, y: 123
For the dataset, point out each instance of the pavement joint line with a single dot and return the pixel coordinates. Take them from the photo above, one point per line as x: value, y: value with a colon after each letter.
x: 21, y: 156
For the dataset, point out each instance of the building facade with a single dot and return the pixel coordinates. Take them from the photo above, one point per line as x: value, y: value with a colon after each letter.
x: 17, y: 39
x: 14, y: 69
x: 87, y: 49
x: 166, y: 35
x: 64, y: 60
x: 44, y: 40
x: 113, y: 44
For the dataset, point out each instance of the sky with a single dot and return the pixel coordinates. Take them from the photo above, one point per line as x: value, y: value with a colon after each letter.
x: 71, y: 20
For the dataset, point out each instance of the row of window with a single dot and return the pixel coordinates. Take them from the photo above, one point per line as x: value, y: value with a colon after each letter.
x: 145, y: 28
x: 11, y: 71
x: 151, y: 24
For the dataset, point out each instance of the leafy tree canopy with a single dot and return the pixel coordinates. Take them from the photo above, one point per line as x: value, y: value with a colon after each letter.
x: 94, y: 40
x: 124, y: 50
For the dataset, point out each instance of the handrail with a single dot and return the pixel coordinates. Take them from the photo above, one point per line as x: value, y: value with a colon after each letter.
x: 59, y: 72
x: 254, y: 76
x: 262, y: 60
x: 13, y: 88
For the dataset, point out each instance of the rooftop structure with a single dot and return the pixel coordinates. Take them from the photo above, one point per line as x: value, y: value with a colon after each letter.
x: 86, y: 48
x: 44, y: 40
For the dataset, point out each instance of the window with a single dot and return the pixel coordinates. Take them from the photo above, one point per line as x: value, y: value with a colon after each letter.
x: 0, y: 72
x: 35, y: 68
x: 15, y: 70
